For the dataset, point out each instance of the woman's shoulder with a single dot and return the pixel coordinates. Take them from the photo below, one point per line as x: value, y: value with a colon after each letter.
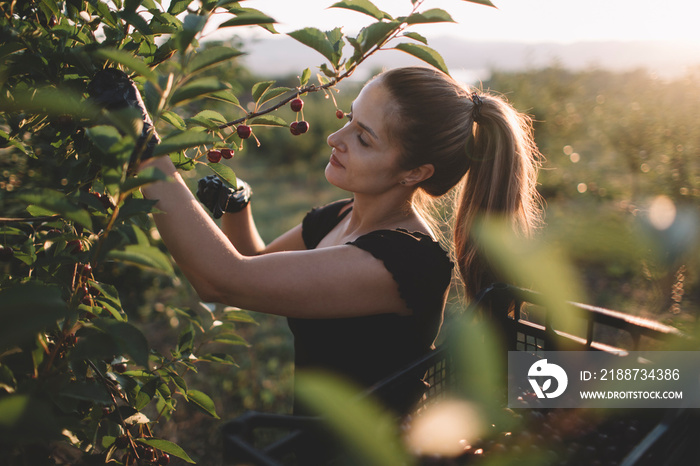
x: 320, y: 220
x: 409, y: 248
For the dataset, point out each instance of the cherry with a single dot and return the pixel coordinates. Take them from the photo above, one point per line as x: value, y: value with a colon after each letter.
x: 339, y: 114
x: 214, y: 155
x: 119, y: 367
x: 294, y: 128
x: 164, y: 460
x: 6, y: 253
x: 226, y: 153
x: 296, y: 105
x: 303, y: 126
x: 121, y: 442
x: 87, y: 270
x: 244, y: 131
x: 74, y: 246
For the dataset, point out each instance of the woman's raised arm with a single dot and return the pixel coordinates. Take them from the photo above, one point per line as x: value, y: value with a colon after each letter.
x: 341, y: 281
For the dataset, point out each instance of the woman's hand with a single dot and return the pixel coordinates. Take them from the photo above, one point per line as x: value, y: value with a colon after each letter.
x: 112, y: 89
x: 219, y: 198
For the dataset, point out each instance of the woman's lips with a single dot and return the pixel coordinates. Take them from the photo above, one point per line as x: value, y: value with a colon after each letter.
x: 335, y: 162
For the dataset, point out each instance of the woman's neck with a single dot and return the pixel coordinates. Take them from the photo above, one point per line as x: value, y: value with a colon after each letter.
x: 370, y: 213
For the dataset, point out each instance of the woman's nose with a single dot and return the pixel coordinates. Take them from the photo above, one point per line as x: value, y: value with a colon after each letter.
x: 335, y: 140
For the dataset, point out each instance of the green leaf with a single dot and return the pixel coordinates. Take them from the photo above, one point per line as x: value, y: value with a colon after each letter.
x: 134, y: 206
x: 233, y: 314
x: 416, y: 36
x: 305, y: 76
x: 267, y: 120
x: 146, y: 176
x: 362, y: 6
x: 272, y: 93
x: 230, y: 339
x: 424, y: 53
x: 174, y: 119
x: 435, y: 15
x: 375, y: 34
x: 137, y: 21
x: 181, y: 161
x: 191, y: 26
x: 148, y: 257
x: 225, y: 96
x: 368, y: 429
x: 260, y: 88
x: 315, y: 39
x: 127, y: 59
x: 208, y: 119
x: 197, y: 88
x: 249, y: 18
x: 166, y: 446
x: 129, y: 339
x: 182, y: 141
x: 58, y: 203
x: 225, y: 173
x: 91, y: 391
x: 219, y: 358
x: 24, y: 419
x: 481, y: 2
x: 203, y: 402
x: 48, y: 101
x: 40, y: 301
x: 212, y: 56
x: 178, y: 6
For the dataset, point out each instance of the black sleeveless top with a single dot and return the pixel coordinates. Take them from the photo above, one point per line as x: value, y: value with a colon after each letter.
x: 370, y: 348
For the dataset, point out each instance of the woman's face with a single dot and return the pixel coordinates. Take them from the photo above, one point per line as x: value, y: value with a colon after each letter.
x: 364, y: 159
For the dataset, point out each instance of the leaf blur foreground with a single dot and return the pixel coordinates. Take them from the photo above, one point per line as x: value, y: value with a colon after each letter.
x: 367, y: 430
x: 531, y: 263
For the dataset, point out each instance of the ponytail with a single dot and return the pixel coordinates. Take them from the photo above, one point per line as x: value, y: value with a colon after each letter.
x: 501, y: 182
x: 476, y: 142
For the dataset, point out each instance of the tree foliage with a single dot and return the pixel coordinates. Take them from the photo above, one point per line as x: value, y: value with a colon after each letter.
x: 79, y: 382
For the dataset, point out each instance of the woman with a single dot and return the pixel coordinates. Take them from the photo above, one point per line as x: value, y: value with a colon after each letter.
x: 363, y: 281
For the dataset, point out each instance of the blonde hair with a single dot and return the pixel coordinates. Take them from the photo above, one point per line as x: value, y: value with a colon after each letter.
x: 492, y: 162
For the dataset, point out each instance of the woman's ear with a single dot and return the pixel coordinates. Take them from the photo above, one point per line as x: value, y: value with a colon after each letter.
x: 418, y: 174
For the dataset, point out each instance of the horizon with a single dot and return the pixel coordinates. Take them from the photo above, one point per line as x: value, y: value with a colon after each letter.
x: 529, y: 21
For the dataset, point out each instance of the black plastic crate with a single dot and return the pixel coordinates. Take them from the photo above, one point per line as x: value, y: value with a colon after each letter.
x: 660, y: 437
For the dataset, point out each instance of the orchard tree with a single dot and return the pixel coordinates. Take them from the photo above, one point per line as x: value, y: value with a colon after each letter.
x: 79, y: 383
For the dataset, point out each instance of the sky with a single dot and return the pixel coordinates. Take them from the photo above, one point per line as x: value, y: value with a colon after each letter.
x: 528, y: 21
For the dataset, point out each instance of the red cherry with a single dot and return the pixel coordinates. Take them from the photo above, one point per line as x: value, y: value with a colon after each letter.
x: 294, y: 128
x: 6, y: 253
x: 119, y: 367
x: 244, y: 131
x: 339, y: 114
x: 164, y: 459
x: 303, y: 127
x: 74, y: 246
x: 214, y: 155
x: 226, y: 153
x: 296, y: 105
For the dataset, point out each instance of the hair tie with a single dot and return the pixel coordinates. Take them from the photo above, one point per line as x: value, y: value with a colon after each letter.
x: 476, y: 109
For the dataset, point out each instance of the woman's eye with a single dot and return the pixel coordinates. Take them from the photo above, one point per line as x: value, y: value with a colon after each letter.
x: 362, y: 141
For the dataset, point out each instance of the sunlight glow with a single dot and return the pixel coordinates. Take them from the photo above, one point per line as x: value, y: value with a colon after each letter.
x: 445, y: 429
x: 662, y: 212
